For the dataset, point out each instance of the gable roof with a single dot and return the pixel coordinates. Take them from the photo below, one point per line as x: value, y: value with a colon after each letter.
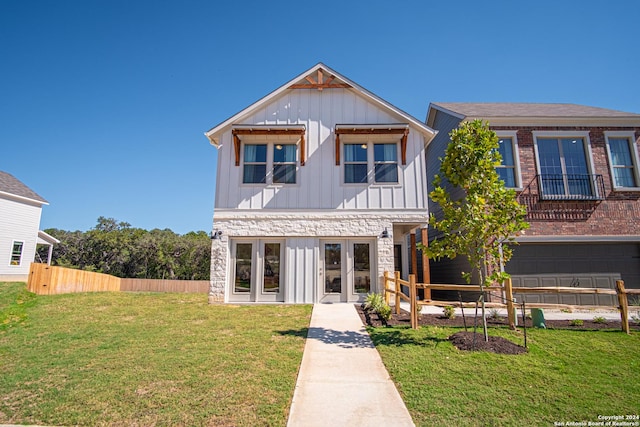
x: 11, y: 185
x: 307, y: 79
x: 533, y: 113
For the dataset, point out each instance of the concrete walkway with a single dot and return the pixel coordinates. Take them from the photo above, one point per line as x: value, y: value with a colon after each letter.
x: 342, y: 381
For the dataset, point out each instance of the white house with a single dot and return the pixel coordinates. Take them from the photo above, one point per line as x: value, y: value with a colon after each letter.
x: 318, y: 185
x: 20, y: 210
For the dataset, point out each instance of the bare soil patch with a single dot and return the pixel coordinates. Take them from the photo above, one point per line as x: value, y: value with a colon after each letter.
x: 464, y: 340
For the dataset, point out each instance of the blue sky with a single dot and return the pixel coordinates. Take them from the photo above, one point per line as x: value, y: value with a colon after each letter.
x: 103, y: 103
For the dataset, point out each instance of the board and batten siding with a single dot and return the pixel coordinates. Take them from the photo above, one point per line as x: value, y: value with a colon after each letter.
x: 445, y: 123
x: 19, y: 221
x: 320, y: 182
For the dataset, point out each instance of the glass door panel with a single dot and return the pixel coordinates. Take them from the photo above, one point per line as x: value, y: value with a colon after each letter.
x: 550, y: 166
x: 333, y: 268
x: 361, y: 268
x: 271, y: 282
x: 578, y: 182
x: 244, y: 255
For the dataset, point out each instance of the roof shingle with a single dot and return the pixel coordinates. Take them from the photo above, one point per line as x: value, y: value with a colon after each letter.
x: 506, y: 109
x: 10, y: 184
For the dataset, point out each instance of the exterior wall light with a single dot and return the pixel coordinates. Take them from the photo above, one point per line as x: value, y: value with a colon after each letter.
x: 216, y: 235
x: 385, y: 234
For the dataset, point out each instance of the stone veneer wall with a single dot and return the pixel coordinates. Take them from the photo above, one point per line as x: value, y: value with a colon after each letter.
x: 345, y: 225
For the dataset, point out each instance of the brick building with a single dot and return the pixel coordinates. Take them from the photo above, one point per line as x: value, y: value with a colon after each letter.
x: 576, y: 168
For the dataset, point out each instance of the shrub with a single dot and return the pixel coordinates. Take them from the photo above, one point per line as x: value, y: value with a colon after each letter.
x: 384, y: 312
x: 494, y: 314
x: 375, y: 303
x: 449, y: 312
x: 576, y: 322
x: 372, y: 302
x: 599, y: 319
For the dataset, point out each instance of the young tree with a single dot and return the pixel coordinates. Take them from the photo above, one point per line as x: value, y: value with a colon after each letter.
x: 484, y: 216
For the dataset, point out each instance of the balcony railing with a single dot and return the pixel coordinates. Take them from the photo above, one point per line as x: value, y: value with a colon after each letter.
x: 570, y: 187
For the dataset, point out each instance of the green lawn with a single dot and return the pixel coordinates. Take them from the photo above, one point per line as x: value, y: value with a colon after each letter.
x: 567, y: 376
x: 146, y: 359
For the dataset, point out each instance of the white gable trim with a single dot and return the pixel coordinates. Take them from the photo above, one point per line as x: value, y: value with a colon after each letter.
x: 213, y: 133
x: 22, y: 198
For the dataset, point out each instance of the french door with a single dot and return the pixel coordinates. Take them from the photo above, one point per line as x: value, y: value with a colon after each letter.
x: 563, y: 167
x: 346, y: 270
x: 257, y: 271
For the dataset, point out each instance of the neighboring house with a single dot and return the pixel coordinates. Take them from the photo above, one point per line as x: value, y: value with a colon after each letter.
x: 318, y: 185
x: 577, y: 170
x: 20, y: 210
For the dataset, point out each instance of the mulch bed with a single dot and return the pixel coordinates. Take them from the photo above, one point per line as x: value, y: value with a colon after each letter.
x: 464, y: 340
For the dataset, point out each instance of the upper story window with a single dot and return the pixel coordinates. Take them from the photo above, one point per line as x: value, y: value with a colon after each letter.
x: 564, y: 167
x: 255, y: 164
x: 356, y: 163
x: 509, y: 169
x: 269, y: 163
x: 623, y: 159
x: 371, y: 153
x: 284, y: 164
x: 385, y: 158
x: 16, y: 253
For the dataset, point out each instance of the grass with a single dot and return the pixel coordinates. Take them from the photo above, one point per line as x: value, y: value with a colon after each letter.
x: 567, y: 375
x: 146, y: 359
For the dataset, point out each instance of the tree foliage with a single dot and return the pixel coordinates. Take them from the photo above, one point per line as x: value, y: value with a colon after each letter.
x: 484, y: 214
x: 116, y: 248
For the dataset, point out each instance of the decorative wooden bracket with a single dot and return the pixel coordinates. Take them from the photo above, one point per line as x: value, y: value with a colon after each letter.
x: 259, y: 130
x: 319, y: 83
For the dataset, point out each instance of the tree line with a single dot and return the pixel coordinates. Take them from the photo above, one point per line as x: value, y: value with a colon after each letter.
x: 116, y: 248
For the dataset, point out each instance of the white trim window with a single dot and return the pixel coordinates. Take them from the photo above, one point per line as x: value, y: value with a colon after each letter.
x: 509, y: 168
x: 269, y: 163
x: 17, y: 249
x: 623, y: 160
x: 564, y: 163
x: 363, y: 164
x: 385, y: 163
x: 356, y: 166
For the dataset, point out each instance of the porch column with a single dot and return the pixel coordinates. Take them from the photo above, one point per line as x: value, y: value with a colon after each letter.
x: 50, y: 255
x: 414, y: 254
x: 426, y: 271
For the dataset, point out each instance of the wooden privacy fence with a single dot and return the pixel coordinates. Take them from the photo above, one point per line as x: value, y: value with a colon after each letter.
x: 393, y: 286
x: 158, y: 285
x: 50, y: 280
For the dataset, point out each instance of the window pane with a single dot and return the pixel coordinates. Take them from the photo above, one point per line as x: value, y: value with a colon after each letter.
x: 385, y: 153
x: 505, y: 148
x: 361, y: 266
x: 355, y: 173
x: 574, y: 157
x: 284, y: 153
x: 508, y: 176
x: 255, y: 153
x: 550, y: 166
x: 620, y: 154
x: 255, y: 174
x: 386, y: 172
x: 244, y: 254
x: 284, y: 174
x: 333, y: 268
x: 271, y: 267
x: 355, y: 152
x: 623, y: 177
x: 16, y: 253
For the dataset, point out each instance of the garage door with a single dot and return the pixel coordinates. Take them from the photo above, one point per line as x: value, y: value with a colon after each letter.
x: 578, y: 265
